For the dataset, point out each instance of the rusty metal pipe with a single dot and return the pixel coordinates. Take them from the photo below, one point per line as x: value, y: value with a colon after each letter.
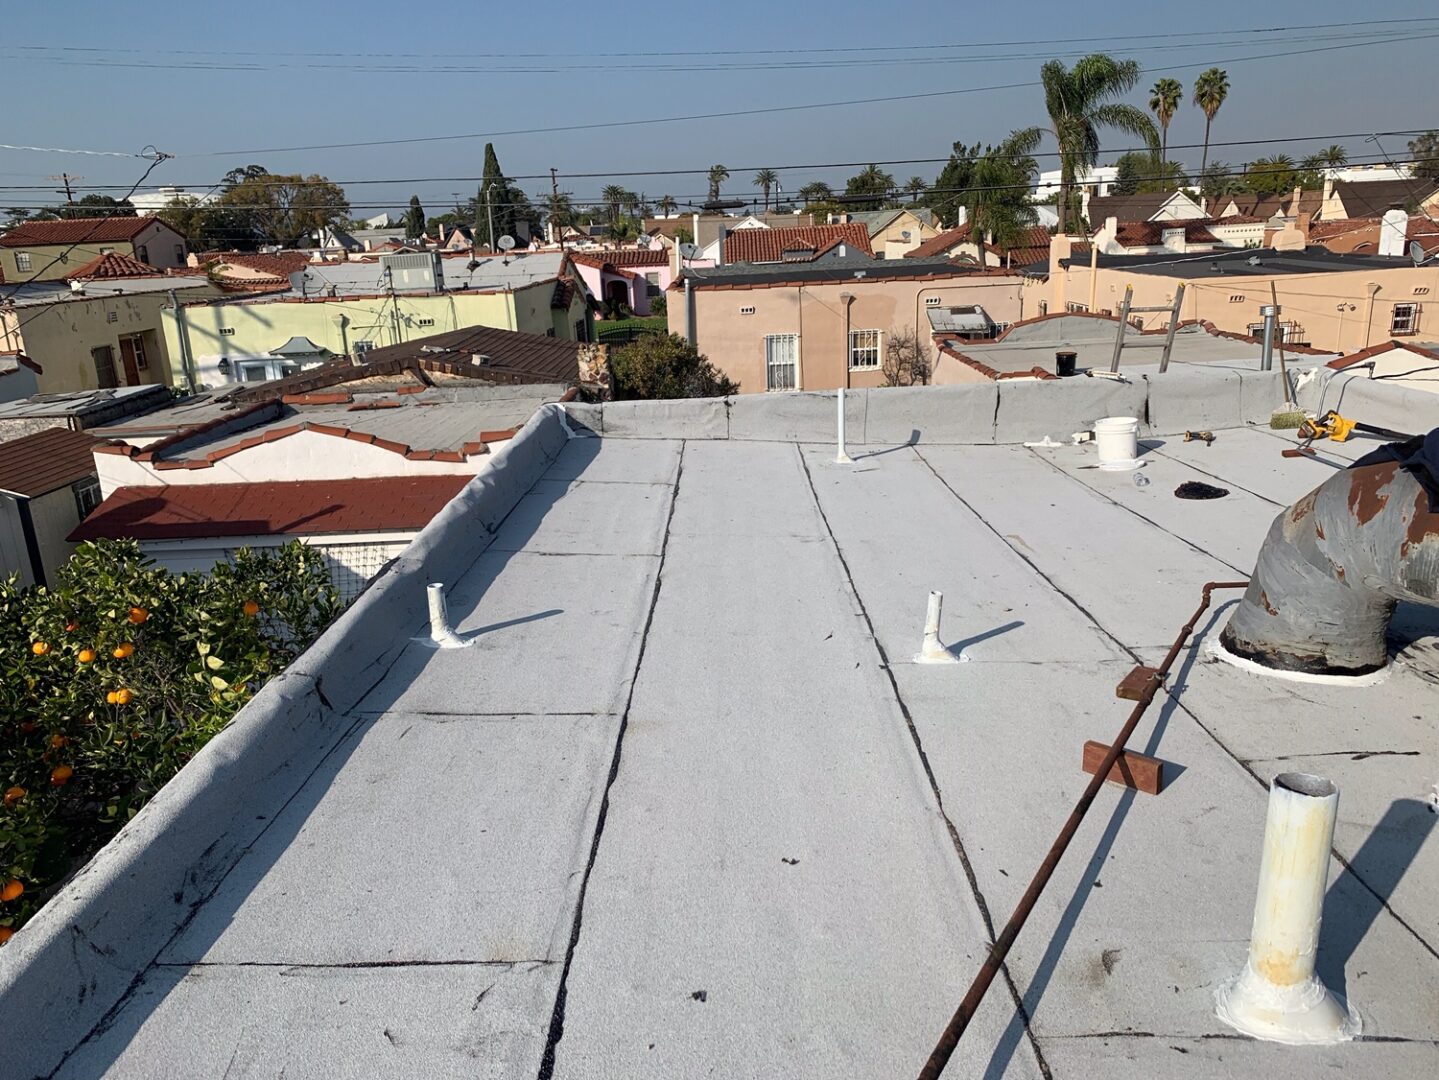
x: 949, y: 1038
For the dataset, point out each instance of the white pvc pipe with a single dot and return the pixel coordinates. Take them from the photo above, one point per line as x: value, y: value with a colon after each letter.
x: 441, y: 632
x: 1277, y: 996
x: 932, y: 651
x: 842, y: 458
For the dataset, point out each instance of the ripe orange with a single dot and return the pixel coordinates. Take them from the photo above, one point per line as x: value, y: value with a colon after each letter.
x: 28, y: 726
x: 138, y: 615
x: 110, y: 698
x: 123, y: 697
x: 251, y: 608
x: 39, y: 648
x: 6, y: 933
x: 87, y: 656
x: 60, y: 775
x: 58, y: 741
x: 123, y: 650
x: 11, y: 889
x: 71, y: 627
x: 14, y: 795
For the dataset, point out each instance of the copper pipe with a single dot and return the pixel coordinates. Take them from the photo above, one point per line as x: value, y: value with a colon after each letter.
x: 950, y: 1037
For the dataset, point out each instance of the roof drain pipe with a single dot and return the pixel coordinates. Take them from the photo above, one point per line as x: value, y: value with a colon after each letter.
x: 841, y: 457
x: 1333, y: 567
x: 1277, y: 996
x: 994, y: 961
x: 441, y: 633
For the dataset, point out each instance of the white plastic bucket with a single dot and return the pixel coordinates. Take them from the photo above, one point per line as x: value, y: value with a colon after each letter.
x: 1117, y: 438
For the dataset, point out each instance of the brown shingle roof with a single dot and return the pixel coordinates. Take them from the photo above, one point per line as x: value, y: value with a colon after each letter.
x: 649, y: 257
x: 769, y: 245
x: 300, y: 507
x: 531, y: 357
x: 75, y: 231
x: 1151, y: 233
x: 1370, y: 198
x: 40, y: 463
x: 114, y: 264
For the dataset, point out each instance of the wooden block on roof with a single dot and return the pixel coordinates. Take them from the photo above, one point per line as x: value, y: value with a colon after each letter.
x: 1132, y: 770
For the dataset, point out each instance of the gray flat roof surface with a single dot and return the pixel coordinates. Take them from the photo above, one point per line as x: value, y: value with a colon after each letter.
x: 687, y: 808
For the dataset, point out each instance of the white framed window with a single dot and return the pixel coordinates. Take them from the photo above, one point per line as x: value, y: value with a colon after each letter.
x: 1405, y: 319
x: 363, y: 346
x: 87, y: 496
x: 781, y: 361
x: 1285, y: 332
x: 137, y: 346
x: 864, y: 346
x: 22, y: 260
x: 1044, y: 307
x: 1076, y: 309
x: 227, y: 331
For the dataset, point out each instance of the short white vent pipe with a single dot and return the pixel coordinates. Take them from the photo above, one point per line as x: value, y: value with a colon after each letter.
x: 1278, y: 997
x: 441, y: 633
x: 932, y: 651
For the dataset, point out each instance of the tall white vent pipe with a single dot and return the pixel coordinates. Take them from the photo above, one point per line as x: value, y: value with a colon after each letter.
x: 841, y: 457
x: 1278, y: 997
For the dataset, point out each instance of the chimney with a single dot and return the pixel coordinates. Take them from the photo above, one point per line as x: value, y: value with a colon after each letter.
x: 1392, y: 230
x: 1302, y: 225
x: 1111, y: 227
x: 1294, y: 200
x: 719, y: 245
x: 1059, y: 248
x: 1328, y: 187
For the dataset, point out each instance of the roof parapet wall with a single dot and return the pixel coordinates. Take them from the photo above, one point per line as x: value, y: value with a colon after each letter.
x: 82, y: 952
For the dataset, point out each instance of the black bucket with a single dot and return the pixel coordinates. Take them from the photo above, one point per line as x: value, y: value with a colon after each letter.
x: 1064, y: 364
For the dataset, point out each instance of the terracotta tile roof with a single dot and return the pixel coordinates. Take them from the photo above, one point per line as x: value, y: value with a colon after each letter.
x: 648, y: 257
x: 1033, y: 246
x: 769, y: 245
x: 1151, y: 233
x: 279, y: 264
x: 76, y: 230
x: 114, y: 264
x: 298, y: 507
x: 40, y: 463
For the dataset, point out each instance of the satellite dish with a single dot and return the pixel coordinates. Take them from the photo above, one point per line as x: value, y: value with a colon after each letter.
x: 507, y: 243
x: 1416, y: 251
x: 689, y: 251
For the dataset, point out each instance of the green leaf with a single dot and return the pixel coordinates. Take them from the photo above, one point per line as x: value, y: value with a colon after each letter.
x: 214, y: 663
x: 219, y: 683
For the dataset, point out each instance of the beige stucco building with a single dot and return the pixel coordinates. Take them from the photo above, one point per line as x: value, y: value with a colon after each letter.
x: 53, y: 250
x: 1339, y: 303
x: 820, y: 327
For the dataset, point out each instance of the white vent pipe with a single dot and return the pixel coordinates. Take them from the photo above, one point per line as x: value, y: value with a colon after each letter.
x: 1277, y: 997
x: 441, y: 632
x: 932, y: 651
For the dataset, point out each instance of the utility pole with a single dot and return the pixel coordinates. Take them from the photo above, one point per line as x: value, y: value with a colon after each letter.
x: 490, y: 210
x: 69, y: 182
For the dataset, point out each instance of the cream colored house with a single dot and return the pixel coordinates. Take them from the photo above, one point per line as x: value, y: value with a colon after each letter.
x: 100, y: 327
x: 1398, y: 363
x: 53, y: 250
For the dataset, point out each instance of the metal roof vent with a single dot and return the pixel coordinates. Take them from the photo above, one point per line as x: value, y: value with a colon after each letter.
x: 481, y: 359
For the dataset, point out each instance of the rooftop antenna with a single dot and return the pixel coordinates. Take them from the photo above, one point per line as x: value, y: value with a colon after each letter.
x: 1416, y: 252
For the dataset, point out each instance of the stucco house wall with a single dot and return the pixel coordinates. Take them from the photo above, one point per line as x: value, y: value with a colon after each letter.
x: 156, y: 244
x: 735, y: 340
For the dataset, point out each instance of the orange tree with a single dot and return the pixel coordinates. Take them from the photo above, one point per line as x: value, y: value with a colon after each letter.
x: 116, y: 677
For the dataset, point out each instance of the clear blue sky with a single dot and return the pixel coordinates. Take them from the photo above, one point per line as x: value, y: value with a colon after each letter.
x: 175, y: 87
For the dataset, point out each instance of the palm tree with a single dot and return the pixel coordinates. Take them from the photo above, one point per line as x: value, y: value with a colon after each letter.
x: 817, y: 191
x: 1080, y: 101
x: 915, y: 186
x: 1334, y: 157
x: 718, y: 175
x: 613, y: 196
x: 1210, y: 90
x: 1164, y: 98
x: 666, y: 205
x: 766, y: 180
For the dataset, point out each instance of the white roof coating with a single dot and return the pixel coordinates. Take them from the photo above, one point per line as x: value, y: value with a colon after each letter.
x: 686, y: 808
x: 367, y: 278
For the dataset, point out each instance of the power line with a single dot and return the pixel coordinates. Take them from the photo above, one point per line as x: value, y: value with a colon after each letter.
x: 772, y: 109
x: 792, y: 51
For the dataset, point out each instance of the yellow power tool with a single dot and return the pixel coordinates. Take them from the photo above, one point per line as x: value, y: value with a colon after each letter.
x: 1338, y: 428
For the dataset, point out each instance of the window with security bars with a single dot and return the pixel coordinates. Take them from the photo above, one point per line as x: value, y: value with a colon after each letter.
x: 1405, y: 319
x: 864, y: 349
x: 781, y: 361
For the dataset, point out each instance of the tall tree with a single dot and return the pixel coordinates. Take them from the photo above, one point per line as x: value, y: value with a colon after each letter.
x: 1210, y: 90
x: 718, y: 175
x: 1142, y: 171
x: 257, y: 206
x: 96, y: 206
x: 997, y: 201
x: 1425, y: 151
x: 869, y: 189
x: 816, y: 191
x: 1272, y: 175
x: 666, y: 205
x: 946, y: 195
x: 1334, y: 156
x: 766, y: 180
x: 1164, y: 98
x: 415, y: 219
x: 914, y: 187
x: 1081, y: 100
x: 613, y: 196
x: 501, y: 201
